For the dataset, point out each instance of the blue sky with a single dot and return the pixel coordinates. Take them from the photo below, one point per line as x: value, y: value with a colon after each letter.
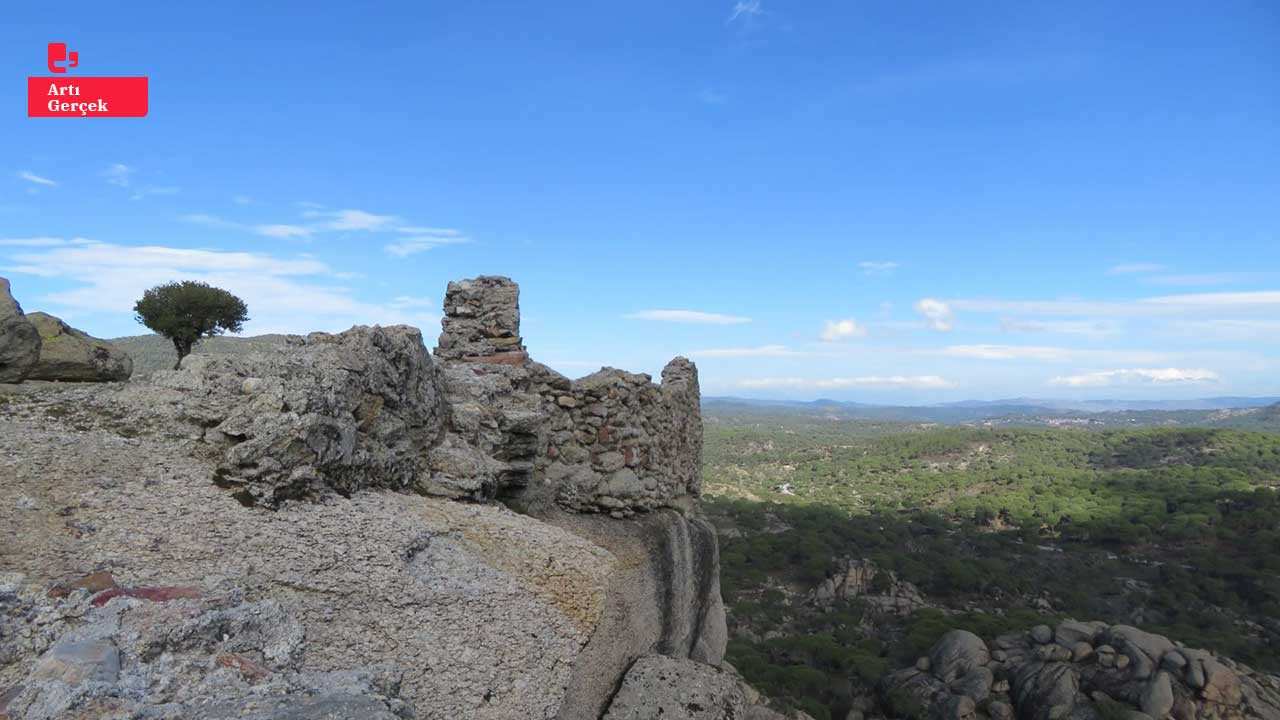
x: 882, y: 201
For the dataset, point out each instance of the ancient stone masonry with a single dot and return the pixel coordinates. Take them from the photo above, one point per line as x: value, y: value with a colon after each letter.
x: 612, y: 441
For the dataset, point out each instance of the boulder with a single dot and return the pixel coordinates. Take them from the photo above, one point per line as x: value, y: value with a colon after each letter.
x: 956, y: 654
x: 1040, y: 679
x: 657, y: 686
x: 69, y: 355
x: 19, y: 339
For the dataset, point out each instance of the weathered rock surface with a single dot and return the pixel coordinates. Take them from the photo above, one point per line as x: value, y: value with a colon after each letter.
x: 19, y: 340
x: 69, y: 355
x: 662, y: 687
x: 222, y: 541
x: 1046, y: 679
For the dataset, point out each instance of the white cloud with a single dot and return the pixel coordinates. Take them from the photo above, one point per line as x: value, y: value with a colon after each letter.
x: 34, y: 178
x: 1251, y: 299
x: 1193, y: 279
x: 294, y: 295
x: 1138, y: 376
x: 1095, y: 328
x: 762, y: 351
x: 881, y: 381
x: 410, y: 301
x: 877, y: 267
x: 745, y: 10
x: 836, y: 330
x: 118, y: 174
x: 422, y: 243
x: 1008, y: 352
x: 688, y: 316
x: 1135, y: 269
x: 41, y: 242
x: 282, y: 231
x: 1166, y: 305
x: 148, y: 190
x: 353, y: 220
x: 1037, y: 353
x: 936, y: 313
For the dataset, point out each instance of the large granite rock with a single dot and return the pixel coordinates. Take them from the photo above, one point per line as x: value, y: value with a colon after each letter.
x: 69, y: 355
x: 19, y: 340
x: 1078, y: 671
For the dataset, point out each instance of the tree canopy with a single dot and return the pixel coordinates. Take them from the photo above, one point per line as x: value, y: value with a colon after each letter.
x: 189, y: 310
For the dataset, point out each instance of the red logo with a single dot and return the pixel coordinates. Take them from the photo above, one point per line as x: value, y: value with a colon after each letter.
x: 83, y: 96
x: 58, y: 54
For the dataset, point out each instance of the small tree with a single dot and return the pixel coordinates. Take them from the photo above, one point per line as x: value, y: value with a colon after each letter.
x: 187, y: 311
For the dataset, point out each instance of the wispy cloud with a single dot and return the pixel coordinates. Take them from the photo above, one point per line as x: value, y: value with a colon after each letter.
x: 1164, y: 305
x: 762, y: 351
x: 148, y: 190
x: 36, y: 179
x: 1200, y: 279
x: 708, y: 96
x: 423, y: 242
x: 1135, y: 269
x: 1041, y: 353
x: 877, y: 267
x: 847, y: 329
x: 937, y: 314
x: 282, y: 231
x: 41, y: 242
x: 353, y: 220
x: 118, y: 174
x: 1094, y: 328
x: 1138, y: 376
x: 837, y: 383
x: 745, y: 10
x: 694, y: 317
x: 988, y: 72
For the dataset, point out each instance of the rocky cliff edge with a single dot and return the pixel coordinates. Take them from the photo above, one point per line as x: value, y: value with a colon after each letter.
x: 281, y: 534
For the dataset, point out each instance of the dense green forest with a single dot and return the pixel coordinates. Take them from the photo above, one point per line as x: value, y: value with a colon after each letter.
x: 1174, y: 530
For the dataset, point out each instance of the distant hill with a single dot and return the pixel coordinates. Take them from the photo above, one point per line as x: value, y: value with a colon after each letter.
x: 154, y: 352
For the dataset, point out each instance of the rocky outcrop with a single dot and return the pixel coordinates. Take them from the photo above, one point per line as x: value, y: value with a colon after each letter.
x: 315, y: 486
x: 1083, y: 671
x: 19, y: 340
x: 69, y: 355
x: 881, y: 590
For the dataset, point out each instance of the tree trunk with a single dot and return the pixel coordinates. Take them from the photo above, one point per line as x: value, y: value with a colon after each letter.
x: 184, y: 349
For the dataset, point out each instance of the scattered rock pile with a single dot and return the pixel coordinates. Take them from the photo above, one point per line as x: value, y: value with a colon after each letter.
x: 1081, y: 671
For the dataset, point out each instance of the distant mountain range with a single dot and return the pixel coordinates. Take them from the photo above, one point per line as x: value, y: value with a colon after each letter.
x: 1256, y: 413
